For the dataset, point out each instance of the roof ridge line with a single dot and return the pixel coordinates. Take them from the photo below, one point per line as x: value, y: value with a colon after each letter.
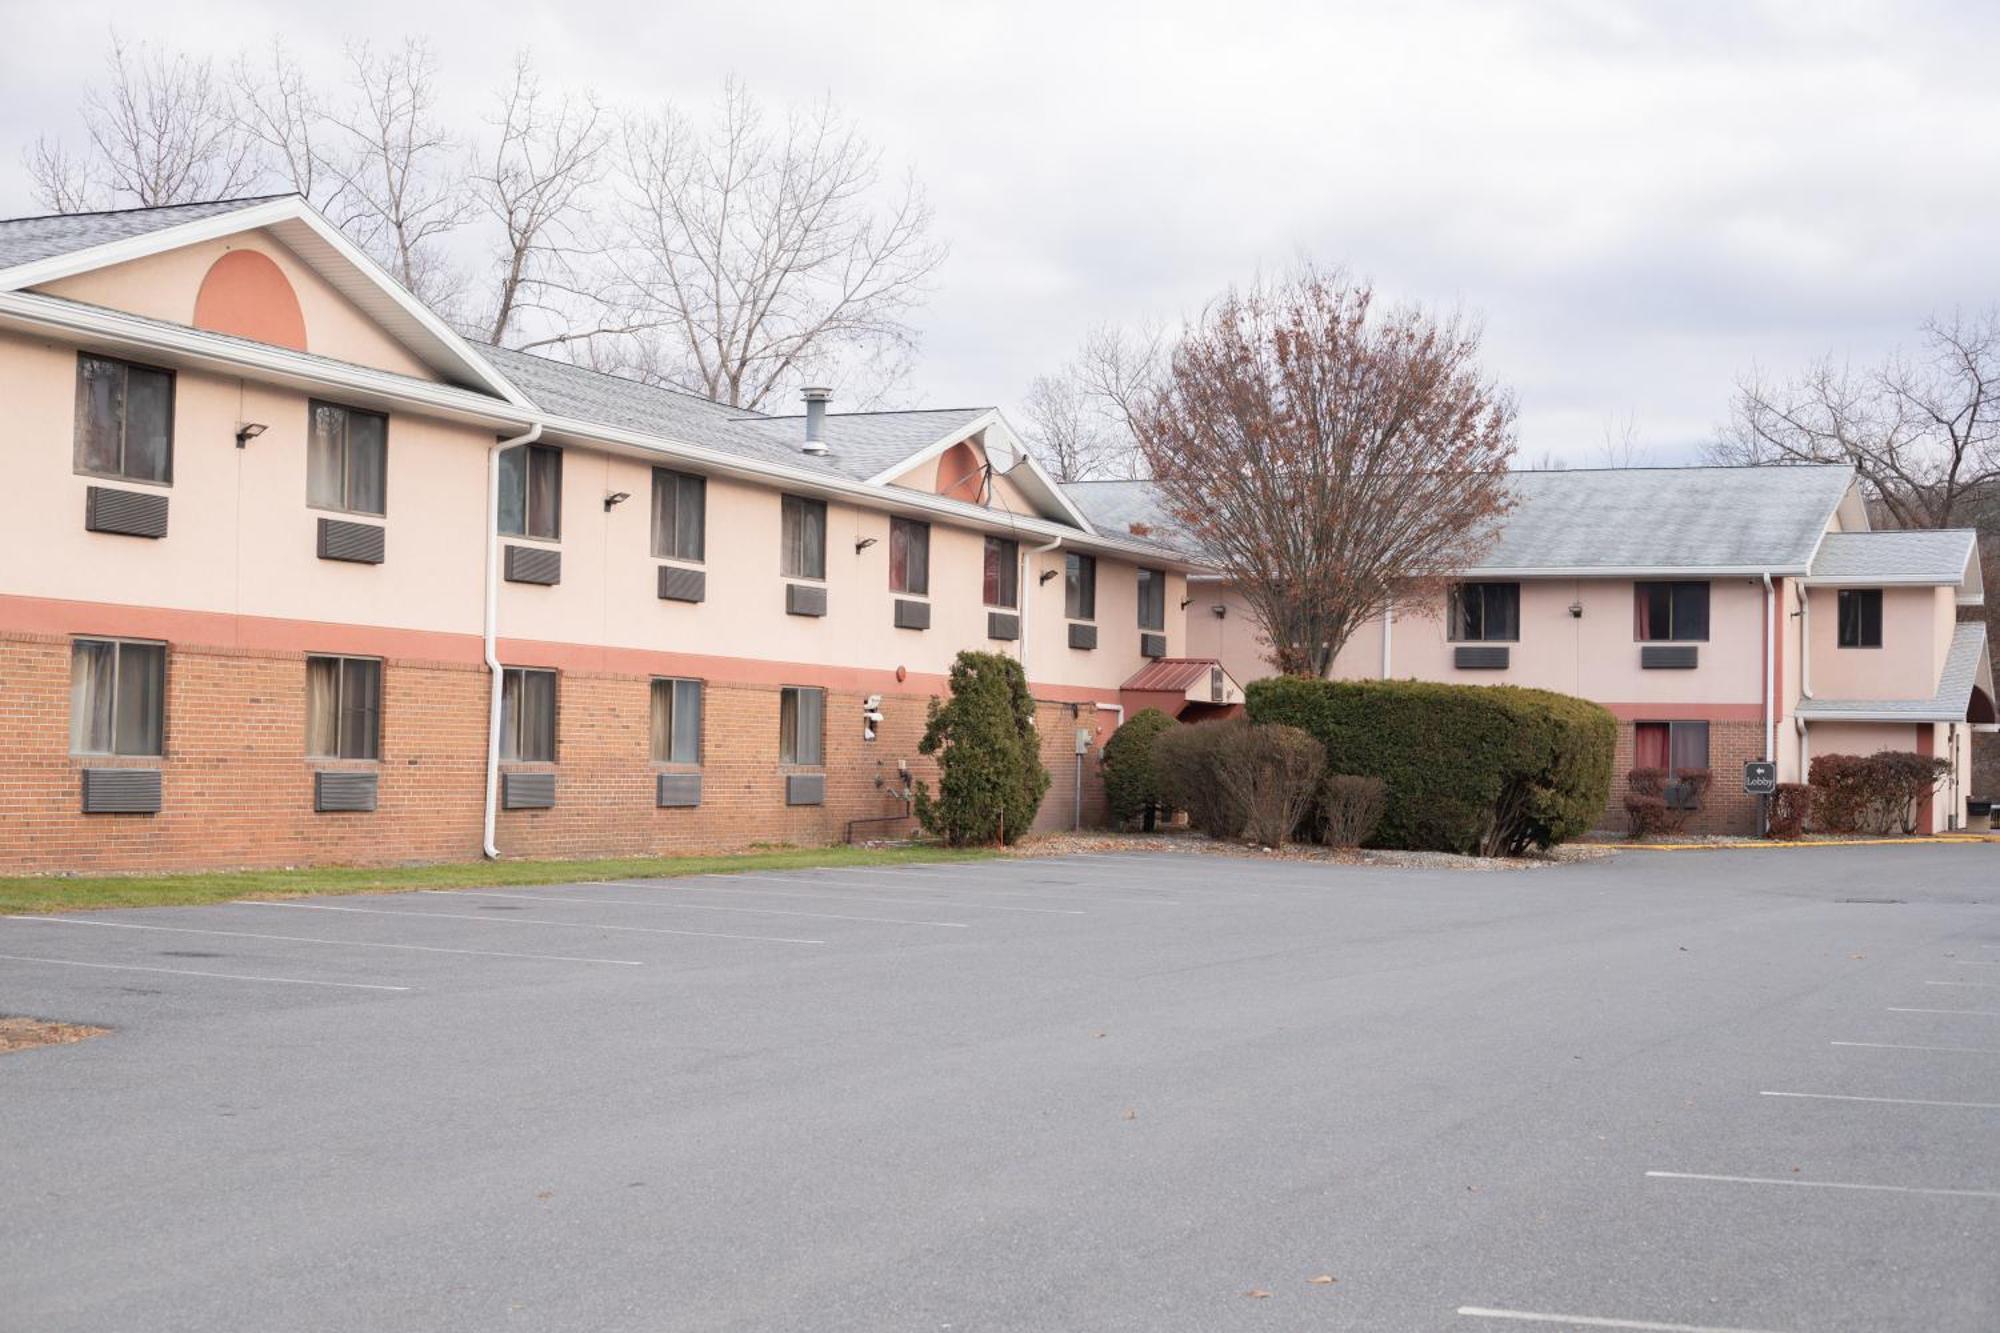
x: 245, y: 200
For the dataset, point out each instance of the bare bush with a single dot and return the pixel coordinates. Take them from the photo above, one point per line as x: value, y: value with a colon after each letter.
x: 1271, y: 773
x: 1351, y: 807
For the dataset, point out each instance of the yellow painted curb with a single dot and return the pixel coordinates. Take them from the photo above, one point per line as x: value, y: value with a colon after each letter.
x: 1803, y: 843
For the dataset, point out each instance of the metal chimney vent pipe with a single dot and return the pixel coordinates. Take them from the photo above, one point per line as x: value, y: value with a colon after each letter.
x: 816, y: 401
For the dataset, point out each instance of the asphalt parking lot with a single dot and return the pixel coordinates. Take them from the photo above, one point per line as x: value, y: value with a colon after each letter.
x: 1709, y: 1091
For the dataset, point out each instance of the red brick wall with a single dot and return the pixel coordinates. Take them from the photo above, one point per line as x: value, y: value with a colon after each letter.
x: 1726, y: 809
x: 1057, y: 724
x: 237, y: 789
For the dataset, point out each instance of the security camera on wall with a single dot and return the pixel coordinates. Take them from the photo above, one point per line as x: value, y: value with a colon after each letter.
x: 871, y: 716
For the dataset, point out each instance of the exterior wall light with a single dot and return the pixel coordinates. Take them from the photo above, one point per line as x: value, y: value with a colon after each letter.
x: 616, y: 498
x: 248, y: 431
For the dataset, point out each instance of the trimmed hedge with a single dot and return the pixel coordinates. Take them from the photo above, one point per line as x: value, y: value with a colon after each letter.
x: 1485, y: 769
x: 1131, y: 778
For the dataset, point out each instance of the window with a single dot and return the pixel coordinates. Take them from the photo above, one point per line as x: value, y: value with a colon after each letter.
x: 347, y: 459
x: 804, y: 554
x: 531, y: 491
x: 1861, y: 617
x: 801, y: 725
x: 1080, y: 586
x: 1670, y: 745
x: 1486, y: 612
x: 1152, y: 599
x: 1669, y: 612
x: 909, y: 557
x: 677, y: 721
x: 124, y: 420
x: 1001, y: 582
x: 680, y: 515
x: 343, y: 708
x: 117, y: 697
x: 528, y: 715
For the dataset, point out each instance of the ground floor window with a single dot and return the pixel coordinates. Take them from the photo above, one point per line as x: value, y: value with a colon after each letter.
x: 117, y: 697
x: 1670, y: 745
x: 677, y: 721
x: 343, y: 708
x: 528, y: 715
x: 801, y: 725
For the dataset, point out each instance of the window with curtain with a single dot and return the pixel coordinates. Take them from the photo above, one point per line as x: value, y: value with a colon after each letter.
x: 676, y: 721
x: 804, y: 538
x: 1080, y: 586
x: 1486, y: 612
x: 1861, y: 617
x: 343, y: 708
x: 347, y: 455
x: 909, y: 557
x: 528, y: 715
x: 117, y: 697
x: 1670, y: 745
x: 1000, y: 581
x: 124, y: 420
x: 1669, y: 612
x: 1152, y: 599
x: 680, y: 515
x: 531, y: 492
x: 801, y: 725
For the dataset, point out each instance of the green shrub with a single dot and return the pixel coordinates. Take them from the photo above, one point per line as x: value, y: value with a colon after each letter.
x: 1487, y: 769
x: 990, y: 774
x: 1270, y: 774
x: 1790, y: 804
x: 1131, y: 780
x: 1186, y: 760
x: 1350, y: 808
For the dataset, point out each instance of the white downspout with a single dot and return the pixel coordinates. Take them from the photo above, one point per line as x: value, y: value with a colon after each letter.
x: 1770, y: 673
x: 1805, y: 642
x: 1388, y: 626
x: 491, y: 627
x: 1027, y: 603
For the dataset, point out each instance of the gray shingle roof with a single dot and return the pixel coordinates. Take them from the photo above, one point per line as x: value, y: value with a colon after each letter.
x: 863, y: 444
x: 1760, y: 519
x: 1114, y: 506
x: 1936, y: 557
x: 25, y: 240
x: 1966, y: 666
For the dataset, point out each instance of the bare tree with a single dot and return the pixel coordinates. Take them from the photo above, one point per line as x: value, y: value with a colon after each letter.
x: 161, y: 130
x: 755, y: 254
x: 402, y: 187
x: 1079, y: 419
x: 279, y: 110
x: 1621, y: 447
x: 1331, y: 458
x: 1922, y: 430
x: 535, y: 183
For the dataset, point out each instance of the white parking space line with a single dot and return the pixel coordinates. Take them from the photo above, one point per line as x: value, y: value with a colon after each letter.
x: 313, y: 939
x: 1826, y: 1185
x: 1976, y: 962
x: 567, y: 899
x: 1970, y: 1013
x: 1886, y: 1101
x: 1038, y: 890
x: 1901, y: 1046
x: 527, y: 921
x: 1595, y: 1321
x: 836, y: 896
x: 189, y: 972
x: 1983, y: 985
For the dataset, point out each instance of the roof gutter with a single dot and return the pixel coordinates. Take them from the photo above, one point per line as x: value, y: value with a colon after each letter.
x: 490, y: 628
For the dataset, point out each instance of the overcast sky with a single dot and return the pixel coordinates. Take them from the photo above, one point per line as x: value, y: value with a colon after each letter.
x: 1641, y: 200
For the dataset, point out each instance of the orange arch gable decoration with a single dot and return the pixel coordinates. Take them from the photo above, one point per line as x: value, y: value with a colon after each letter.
x: 246, y: 294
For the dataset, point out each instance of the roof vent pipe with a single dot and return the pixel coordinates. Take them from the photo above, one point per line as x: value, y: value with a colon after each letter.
x: 816, y: 401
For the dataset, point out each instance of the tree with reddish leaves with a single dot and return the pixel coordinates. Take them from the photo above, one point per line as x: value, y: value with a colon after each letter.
x: 1333, y: 457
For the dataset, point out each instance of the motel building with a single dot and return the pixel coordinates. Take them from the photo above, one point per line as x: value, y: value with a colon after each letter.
x: 296, y: 574
x: 1722, y: 615
x: 293, y: 573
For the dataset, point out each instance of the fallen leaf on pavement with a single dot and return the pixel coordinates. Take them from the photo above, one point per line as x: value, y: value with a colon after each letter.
x: 1258, y: 1294
x: 1322, y: 1280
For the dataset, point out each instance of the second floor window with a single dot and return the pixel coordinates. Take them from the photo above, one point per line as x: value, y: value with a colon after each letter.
x: 343, y: 708
x: 1000, y: 582
x: 1485, y: 612
x: 680, y: 515
x: 1669, y: 612
x: 801, y: 725
x: 803, y: 538
x: 1080, y: 586
x: 1861, y: 617
x: 676, y: 721
x: 909, y: 557
x: 117, y: 697
x: 347, y: 459
x: 531, y: 492
x: 1152, y: 599
x: 528, y: 715
x: 124, y: 420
